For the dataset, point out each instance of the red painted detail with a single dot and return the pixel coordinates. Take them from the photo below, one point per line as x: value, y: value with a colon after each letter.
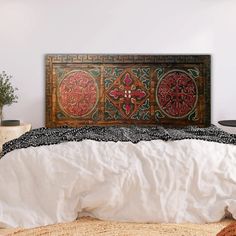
x: 127, y: 80
x: 126, y: 94
x: 176, y: 94
x: 127, y: 108
x: 139, y: 94
x: 116, y: 94
x: 78, y: 93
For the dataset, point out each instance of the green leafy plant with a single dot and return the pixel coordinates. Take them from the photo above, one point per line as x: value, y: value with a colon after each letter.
x: 7, y: 91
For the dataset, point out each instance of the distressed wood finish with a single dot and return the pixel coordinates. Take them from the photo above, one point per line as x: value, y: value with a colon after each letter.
x: 170, y: 90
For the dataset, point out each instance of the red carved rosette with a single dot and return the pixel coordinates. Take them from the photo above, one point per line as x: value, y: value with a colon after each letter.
x: 127, y: 94
x: 78, y: 93
x: 176, y: 94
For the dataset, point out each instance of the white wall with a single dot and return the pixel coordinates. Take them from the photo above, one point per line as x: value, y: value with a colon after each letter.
x: 29, y: 29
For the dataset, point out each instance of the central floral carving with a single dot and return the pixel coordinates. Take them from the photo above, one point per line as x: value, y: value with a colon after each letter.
x: 127, y: 93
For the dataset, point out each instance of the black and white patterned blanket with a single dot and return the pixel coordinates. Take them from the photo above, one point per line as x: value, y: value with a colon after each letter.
x: 49, y: 136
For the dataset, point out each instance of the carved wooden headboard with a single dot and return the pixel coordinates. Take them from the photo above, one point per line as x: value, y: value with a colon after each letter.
x: 171, y: 90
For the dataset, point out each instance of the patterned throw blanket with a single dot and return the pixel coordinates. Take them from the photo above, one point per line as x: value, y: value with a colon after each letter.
x: 134, y: 134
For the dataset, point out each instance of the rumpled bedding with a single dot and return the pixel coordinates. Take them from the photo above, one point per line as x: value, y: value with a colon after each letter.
x: 187, y: 180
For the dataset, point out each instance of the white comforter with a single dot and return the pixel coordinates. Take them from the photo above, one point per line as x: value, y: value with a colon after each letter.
x: 156, y: 181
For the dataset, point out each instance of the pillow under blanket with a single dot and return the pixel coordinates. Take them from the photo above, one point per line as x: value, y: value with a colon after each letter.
x: 134, y: 134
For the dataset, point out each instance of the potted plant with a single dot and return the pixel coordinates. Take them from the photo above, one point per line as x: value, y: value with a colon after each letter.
x: 7, y: 92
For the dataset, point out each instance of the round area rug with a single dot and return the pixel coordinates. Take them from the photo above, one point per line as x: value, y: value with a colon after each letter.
x: 92, y: 227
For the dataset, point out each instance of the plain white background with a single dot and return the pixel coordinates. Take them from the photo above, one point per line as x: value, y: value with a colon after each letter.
x: 29, y: 29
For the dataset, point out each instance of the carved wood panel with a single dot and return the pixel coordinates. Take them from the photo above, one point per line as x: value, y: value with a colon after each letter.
x: 171, y: 90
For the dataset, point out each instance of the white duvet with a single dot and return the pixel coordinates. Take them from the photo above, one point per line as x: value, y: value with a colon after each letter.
x: 154, y: 181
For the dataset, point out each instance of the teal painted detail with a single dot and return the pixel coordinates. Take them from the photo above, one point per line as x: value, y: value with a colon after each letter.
x: 136, y: 116
x: 146, y: 83
x: 146, y: 105
x: 111, y: 112
x: 95, y: 72
x: 111, y: 74
x: 117, y: 116
x: 146, y: 115
x: 140, y: 115
x: 160, y: 72
x: 194, y: 72
x: 193, y: 116
x: 60, y: 115
x: 144, y: 75
x: 159, y: 115
x: 95, y: 115
x: 137, y: 72
x: 146, y: 72
x: 60, y: 73
x: 109, y: 81
x: 107, y: 116
x: 143, y: 113
x: 109, y: 105
x: 117, y: 72
x: 108, y: 71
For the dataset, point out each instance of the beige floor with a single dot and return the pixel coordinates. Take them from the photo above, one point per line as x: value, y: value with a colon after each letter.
x: 4, y: 232
x: 93, y: 227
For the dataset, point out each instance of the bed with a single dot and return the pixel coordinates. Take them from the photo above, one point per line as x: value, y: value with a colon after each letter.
x: 127, y: 139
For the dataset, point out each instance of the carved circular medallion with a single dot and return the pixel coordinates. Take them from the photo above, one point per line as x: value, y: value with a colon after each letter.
x: 176, y: 94
x: 78, y: 93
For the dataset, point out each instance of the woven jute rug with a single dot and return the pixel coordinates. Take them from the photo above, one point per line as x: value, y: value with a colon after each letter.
x: 91, y: 227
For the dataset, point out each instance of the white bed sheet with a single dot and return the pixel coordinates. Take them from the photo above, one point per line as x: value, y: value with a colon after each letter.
x: 155, y: 181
